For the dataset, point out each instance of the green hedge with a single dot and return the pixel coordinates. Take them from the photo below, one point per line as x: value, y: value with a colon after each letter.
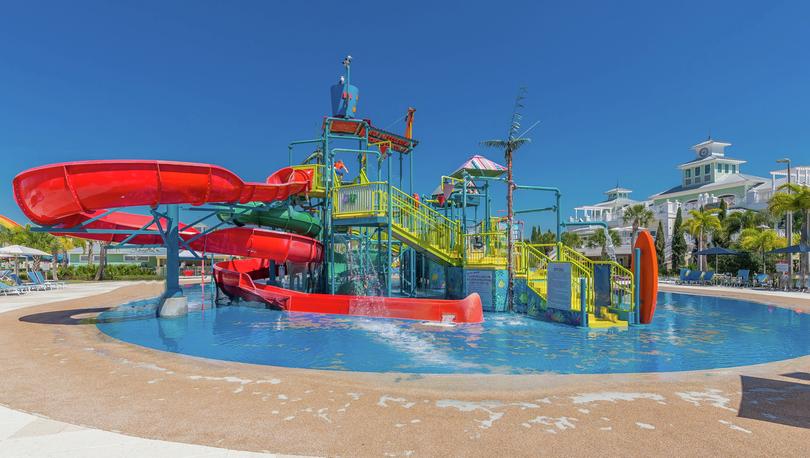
x: 112, y: 272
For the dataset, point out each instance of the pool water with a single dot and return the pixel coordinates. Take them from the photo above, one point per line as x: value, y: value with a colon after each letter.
x: 688, y: 333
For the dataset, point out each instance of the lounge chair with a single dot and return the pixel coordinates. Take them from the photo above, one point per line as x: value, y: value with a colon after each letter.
x: 707, y: 277
x: 22, y: 285
x: 54, y: 283
x: 35, y: 279
x: 5, y: 289
x: 761, y: 280
x: 742, y: 277
x: 684, y: 274
x: 694, y: 277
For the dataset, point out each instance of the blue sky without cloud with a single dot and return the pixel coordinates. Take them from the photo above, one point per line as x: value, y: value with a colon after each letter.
x: 622, y: 89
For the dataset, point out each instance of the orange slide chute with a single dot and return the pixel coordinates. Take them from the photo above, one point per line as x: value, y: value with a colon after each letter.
x: 68, y: 194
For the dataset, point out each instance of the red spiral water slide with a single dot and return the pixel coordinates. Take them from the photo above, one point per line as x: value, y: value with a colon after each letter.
x: 68, y: 194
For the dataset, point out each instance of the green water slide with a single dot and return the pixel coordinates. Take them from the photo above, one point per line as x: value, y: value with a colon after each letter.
x: 282, y: 217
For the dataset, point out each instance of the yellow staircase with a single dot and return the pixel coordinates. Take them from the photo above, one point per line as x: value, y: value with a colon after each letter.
x: 412, y: 222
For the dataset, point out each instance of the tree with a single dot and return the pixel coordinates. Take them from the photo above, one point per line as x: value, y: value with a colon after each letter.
x: 700, y: 224
x: 571, y: 239
x: 509, y: 146
x: 598, y: 240
x: 761, y: 241
x: 678, y: 242
x: 102, y: 262
x: 735, y: 223
x: 660, y: 247
x: 639, y: 215
x: 40, y: 240
x: 723, y: 210
x: 798, y: 200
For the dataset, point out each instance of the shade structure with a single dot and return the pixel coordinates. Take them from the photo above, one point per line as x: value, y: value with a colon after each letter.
x: 20, y: 251
x: 716, y: 250
x: 479, y: 166
x: 800, y: 248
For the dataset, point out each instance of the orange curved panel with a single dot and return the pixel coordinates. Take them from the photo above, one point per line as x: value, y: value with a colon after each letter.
x: 648, y: 276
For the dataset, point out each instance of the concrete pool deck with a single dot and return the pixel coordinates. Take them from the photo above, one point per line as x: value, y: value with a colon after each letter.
x: 60, y: 367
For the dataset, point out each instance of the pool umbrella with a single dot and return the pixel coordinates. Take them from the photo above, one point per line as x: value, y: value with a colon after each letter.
x: 479, y: 166
x: 800, y: 248
x: 20, y: 251
x: 717, y: 251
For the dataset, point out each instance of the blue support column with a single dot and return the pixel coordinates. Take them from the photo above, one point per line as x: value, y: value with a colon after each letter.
x: 583, y: 301
x: 636, y: 279
x: 173, y: 304
x: 173, y: 251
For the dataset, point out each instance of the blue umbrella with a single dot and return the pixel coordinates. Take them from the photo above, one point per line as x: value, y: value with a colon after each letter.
x: 800, y: 248
x: 716, y: 250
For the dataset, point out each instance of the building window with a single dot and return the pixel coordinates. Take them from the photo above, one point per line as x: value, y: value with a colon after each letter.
x: 697, y: 180
x: 697, y: 170
x: 708, y: 169
x: 688, y: 173
x: 84, y: 258
x: 688, y: 182
x: 733, y: 168
x: 719, y: 168
x: 726, y: 167
x: 135, y: 258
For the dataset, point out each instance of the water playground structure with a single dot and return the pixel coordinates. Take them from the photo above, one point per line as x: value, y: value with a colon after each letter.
x: 314, y: 238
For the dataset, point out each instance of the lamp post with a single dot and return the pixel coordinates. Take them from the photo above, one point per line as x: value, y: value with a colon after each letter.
x: 788, y: 224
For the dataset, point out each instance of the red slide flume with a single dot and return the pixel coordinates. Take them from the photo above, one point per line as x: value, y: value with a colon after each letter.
x: 68, y: 194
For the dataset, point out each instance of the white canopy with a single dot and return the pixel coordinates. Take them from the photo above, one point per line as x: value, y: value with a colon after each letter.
x: 19, y: 251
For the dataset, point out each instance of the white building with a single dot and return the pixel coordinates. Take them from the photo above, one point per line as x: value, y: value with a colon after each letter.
x: 711, y: 176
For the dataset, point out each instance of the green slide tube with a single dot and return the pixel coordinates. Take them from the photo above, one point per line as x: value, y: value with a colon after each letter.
x: 284, y: 218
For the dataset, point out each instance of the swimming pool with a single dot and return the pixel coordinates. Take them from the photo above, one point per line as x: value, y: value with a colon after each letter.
x: 688, y: 333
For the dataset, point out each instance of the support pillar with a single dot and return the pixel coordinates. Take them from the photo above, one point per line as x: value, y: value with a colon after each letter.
x: 173, y: 303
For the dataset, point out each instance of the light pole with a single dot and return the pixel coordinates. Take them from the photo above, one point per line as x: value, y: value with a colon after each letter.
x: 788, y: 224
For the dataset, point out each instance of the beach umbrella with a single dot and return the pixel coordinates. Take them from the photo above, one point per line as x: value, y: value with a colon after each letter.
x: 800, y: 248
x: 717, y: 251
x: 20, y: 251
x: 479, y: 166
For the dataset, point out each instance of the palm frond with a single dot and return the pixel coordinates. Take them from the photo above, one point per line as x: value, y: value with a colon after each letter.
x: 494, y: 143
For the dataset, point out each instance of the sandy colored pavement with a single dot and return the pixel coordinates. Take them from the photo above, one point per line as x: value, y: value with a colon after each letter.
x: 58, y: 365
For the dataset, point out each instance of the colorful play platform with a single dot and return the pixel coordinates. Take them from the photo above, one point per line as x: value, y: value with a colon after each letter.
x: 317, y: 238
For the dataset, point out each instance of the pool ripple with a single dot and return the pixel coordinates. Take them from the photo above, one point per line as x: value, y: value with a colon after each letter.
x: 689, y: 333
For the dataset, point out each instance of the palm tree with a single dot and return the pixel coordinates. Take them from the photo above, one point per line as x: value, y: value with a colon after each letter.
x: 734, y: 223
x: 509, y: 146
x: 798, y: 200
x: 762, y: 241
x: 598, y: 240
x: 701, y: 224
x: 102, y: 262
x: 640, y: 216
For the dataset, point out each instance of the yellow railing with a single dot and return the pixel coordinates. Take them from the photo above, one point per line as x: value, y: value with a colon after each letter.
x: 533, y: 265
x: 426, y: 227
x: 316, y: 171
x: 485, y: 249
x: 411, y: 220
x: 621, y: 285
x: 360, y: 200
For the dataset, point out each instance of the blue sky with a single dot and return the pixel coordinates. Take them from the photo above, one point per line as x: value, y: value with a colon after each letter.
x: 622, y: 89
